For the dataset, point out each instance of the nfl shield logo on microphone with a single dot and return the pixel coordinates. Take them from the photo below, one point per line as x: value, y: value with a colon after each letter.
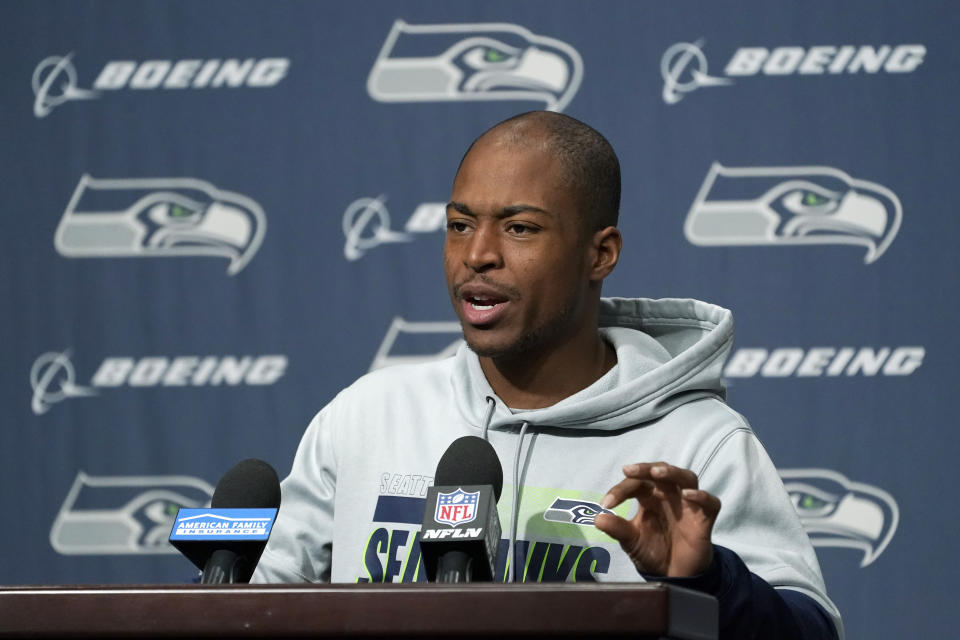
x: 457, y: 507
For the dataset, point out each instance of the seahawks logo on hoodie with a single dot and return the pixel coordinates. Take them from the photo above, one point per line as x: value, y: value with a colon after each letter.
x: 580, y: 512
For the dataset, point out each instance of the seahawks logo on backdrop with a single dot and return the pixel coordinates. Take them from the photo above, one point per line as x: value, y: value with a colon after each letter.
x: 414, y: 342
x: 474, y: 62
x: 837, y: 512
x: 154, y: 217
x: 107, y: 515
x: 580, y: 512
x: 739, y: 206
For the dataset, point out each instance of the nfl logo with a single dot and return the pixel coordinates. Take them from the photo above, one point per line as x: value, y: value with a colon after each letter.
x: 457, y: 507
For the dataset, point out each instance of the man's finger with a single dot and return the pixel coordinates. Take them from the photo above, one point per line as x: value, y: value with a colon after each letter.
x: 616, y: 527
x: 662, y: 472
x: 709, y: 503
x: 626, y: 489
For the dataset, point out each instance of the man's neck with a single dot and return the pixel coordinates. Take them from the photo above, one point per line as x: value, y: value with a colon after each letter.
x: 541, y: 379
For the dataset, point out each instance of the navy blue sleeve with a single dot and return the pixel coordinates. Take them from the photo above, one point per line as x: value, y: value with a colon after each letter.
x: 751, y: 608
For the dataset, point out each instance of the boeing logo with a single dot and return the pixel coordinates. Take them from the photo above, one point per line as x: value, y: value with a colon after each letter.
x: 674, y: 65
x: 55, y: 82
x: 366, y: 224
x: 159, y: 217
x: 53, y: 377
x: 792, y: 206
x: 684, y: 65
x: 838, y: 512
x: 53, y: 380
x: 474, y: 62
x: 831, y: 362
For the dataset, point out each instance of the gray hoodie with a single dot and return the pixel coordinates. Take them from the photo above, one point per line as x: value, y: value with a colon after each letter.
x: 354, y: 499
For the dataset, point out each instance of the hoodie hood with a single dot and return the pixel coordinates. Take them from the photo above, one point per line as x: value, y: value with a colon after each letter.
x: 669, y: 352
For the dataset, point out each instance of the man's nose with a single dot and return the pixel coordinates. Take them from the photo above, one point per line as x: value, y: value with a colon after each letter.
x: 483, y: 252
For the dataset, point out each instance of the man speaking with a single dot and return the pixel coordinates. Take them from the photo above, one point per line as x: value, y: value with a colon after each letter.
x: 607, y: 414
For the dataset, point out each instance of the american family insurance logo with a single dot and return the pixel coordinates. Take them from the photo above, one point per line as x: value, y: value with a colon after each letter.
x: 474, y: 62
x: 684, y: 66
x: 55, y: 80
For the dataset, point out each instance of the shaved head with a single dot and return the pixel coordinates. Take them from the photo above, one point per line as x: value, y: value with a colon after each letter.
x: 589, y: 163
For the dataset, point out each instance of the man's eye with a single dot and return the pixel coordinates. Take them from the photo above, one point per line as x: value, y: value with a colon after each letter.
x: 456, y: 226
x: 521, y: 229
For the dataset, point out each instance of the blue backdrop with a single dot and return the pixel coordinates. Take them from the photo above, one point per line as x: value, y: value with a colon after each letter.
x: 216, y: 215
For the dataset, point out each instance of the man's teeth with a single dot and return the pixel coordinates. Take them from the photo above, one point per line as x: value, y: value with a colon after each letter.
x: 482, y: 304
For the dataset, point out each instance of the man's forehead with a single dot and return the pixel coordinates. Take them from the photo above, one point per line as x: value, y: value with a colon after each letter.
x: 512, y: 136
x: 514, y: 165
x: 488, y: 153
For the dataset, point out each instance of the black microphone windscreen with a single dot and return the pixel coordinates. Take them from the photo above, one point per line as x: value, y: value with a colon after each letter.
x: 468, y: 461
x: 250, y: 484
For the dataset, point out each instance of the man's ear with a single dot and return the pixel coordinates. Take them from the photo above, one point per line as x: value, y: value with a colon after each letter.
x: 605, y: 244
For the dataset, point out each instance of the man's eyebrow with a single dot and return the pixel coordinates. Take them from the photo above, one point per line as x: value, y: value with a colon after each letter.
x: 506, y: 212
x: 522, y: 208
x: 461, y: 208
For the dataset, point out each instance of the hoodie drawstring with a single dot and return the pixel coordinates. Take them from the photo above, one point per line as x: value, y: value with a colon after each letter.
x: 491, y: 405
x: 515, y: 508
x: 515, y: 511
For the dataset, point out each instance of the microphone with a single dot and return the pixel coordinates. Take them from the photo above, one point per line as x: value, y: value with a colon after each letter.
x: 226, y: 540
x: 461, y: 527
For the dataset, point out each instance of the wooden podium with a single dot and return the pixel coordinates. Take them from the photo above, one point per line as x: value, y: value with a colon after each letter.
x: 501, y: 611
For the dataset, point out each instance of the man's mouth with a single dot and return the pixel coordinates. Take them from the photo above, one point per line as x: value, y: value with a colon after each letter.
x: 480, y: 312
x: 482, y: 305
